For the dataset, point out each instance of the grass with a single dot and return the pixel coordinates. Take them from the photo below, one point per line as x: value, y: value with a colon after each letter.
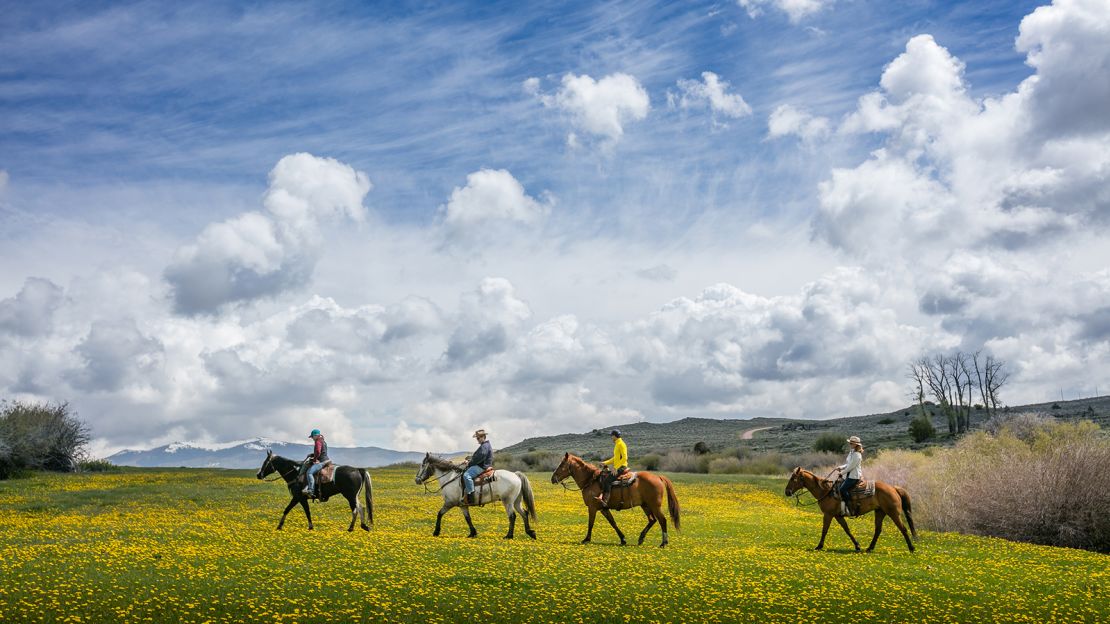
x: 200, y: 545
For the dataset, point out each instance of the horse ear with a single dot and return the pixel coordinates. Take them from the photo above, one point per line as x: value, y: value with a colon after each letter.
x: 269, y: 452
x: 566, y: 455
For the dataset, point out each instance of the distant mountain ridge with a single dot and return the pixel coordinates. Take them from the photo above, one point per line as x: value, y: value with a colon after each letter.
x: 250, y: 453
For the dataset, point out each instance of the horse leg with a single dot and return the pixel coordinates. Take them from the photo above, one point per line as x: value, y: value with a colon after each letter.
x: 512, y: 518
x: 439, y: 519
x: 354, y: 512
x: 469, y: 522
x: 613, y: 523
x: 307, y: 513
x: 651, y: 523
x: 520, y: 512
x: 824, y: 530
x: 897, y: 518
x: 662, y: 519
x: 879, y: 515
x: 844, y: 525
x: 290, y: 506
x: 590, y: 526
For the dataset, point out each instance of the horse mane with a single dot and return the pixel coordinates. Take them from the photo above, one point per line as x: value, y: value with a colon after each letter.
x: 585, y: 464
x: 443, y: 464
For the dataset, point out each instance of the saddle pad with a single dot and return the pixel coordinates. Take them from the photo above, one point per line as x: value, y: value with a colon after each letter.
x: 488, y: 476
x: 327, y: 473
x: 863, y: 489
x: 625, y: 480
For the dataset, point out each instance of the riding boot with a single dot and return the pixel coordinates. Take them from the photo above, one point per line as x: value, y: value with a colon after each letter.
x: 605, y: 499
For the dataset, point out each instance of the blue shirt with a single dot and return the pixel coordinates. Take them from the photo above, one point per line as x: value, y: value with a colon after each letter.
x: 483, y: 456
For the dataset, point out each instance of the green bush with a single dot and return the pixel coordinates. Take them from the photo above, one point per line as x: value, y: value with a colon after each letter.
x: 651, y: 461
x: 886, y: 421
x: 921, y: 429
x: 829, y: 443
x: 725, y: 465
x: 96, y: 465
x: 36, y: 436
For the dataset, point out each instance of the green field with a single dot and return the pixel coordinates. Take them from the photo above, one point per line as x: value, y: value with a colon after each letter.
x: 200, y: 545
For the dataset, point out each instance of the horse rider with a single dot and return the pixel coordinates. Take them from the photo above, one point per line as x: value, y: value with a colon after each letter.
x: 619, y: 464
x: 479, y: 462
x: 318, y: 458
x: 852, y: 469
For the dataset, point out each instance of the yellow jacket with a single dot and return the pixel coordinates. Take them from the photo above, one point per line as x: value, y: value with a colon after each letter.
x: 620, y: 455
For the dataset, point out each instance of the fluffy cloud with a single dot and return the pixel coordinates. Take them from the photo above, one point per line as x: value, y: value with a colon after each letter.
x: 711, y: 92
x: 489, y: 319
x: 1010, y: 172
x: 491, y: 197
x: 796, y: 10
x: 600, y: 108
x: 787, y: 120
x: 31, y: 312
x: 258, y: 254
x: 116, y: 354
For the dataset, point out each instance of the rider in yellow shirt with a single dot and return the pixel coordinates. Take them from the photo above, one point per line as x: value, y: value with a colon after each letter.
x: 619, y: 463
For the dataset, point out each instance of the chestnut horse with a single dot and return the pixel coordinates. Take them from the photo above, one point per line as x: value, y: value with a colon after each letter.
x: 647, y: 492
x: 888, y: 500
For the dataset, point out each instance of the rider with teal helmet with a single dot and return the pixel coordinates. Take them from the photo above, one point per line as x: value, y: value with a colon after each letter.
x: 318, y: 458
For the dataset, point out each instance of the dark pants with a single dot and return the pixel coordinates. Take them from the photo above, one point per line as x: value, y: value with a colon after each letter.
x: 607, y: 482
x: 846, y: 487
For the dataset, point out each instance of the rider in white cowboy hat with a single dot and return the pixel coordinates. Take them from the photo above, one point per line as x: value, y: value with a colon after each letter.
x: 852, y: 469
x: 479, y: 462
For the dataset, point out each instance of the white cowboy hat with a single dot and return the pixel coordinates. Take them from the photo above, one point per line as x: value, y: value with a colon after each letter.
x: 854, y: 440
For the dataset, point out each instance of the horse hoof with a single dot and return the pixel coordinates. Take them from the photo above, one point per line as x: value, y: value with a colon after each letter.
x: 822, y: 548
x: 624, y: 543
x: 365, y: 528
x: 870, y: 549
x: 532, y: 534
x: 507, y: 537
x: 585, y: 541
x: 472, y: 535
x: 663, y: 545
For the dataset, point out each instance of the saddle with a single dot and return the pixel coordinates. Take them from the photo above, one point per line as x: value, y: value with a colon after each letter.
x: 863, y: 489
x: 487, y: 476
x: 625, y: 480
x: 327, y: 473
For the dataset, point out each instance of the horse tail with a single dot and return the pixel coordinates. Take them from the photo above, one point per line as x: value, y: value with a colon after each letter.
x: 529, y: 499
x: 906, y: 510
x: 672, y: 501
x: 368, y: 487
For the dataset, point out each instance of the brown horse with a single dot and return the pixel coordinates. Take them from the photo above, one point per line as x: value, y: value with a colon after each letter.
x: 888, y: 500
x: 647, y: 493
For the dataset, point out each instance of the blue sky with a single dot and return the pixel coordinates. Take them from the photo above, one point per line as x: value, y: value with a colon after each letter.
x: 600, y: 164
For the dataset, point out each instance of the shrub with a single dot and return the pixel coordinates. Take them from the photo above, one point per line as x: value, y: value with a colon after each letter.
x: 725, y: 465
x: 701, y: 448
x: 683, y: 461
x: 1035, y: 480
x: 96, y: 465
x: 40, y: 437
x: 829, y: 443
x: 886, y: 421
x: 651, y: 461
x: 921, y: 429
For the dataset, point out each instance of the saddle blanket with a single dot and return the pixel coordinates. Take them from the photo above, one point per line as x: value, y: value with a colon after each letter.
x: 863, y: 489
x: 625, y: 480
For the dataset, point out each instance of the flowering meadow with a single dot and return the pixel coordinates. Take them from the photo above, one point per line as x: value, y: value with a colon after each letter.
x: 184, y: 545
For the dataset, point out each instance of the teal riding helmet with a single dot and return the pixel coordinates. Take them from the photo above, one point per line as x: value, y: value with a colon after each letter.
x: 315, y: 432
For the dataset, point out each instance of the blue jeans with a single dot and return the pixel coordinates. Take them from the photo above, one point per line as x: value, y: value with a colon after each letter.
x: 468, y: 477
x: 312, y: 470
x: 846, y: 487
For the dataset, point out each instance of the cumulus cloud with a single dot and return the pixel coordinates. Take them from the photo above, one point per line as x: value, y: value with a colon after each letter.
x: 31, y: 312
x: 259, y: 254
x: 1010, y: 172
x: 115, y: 354
x: 489, y: 319
x: 711, y: 92
x: 490, y: 197
x: 601, y: 108
x: 786, y: 120
x: 796, y: 10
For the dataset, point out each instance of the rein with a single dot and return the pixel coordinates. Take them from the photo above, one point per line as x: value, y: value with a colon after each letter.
x: 576, y: 487
x: 441, y: 484
x: 798, y: 494
x: 281, y: 475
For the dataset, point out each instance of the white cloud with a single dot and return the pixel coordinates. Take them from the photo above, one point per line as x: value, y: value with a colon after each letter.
x: 488, y: 322
x: 787, y: 120
x: 31, y: 311
x: 259, y: 255
x: 490, y: 197
x: 712, y: 92
x: 602, y: 107
x: 796, y: 10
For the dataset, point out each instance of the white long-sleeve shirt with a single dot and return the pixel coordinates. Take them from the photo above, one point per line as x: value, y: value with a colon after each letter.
x: 853, y: 466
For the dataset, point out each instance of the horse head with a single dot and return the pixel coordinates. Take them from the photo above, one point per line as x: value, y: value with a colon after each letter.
x: 267, y: 465
x: 425, y: 471
x: 563, y: 471
x: 796, y: 481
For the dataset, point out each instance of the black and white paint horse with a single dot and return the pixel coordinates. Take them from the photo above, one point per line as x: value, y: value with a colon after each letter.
x: 348, y: 481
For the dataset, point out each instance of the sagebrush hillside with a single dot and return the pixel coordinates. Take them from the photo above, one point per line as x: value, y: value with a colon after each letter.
x: 879, y: 431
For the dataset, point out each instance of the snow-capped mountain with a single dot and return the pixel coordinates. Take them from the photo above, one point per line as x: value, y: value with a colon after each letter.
x: 250, y: 453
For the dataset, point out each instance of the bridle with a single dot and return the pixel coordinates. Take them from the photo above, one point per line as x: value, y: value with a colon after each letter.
x: 802, y: 488
x: 442, y: 484
x: 280, y: 475
x: 576, y: 488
